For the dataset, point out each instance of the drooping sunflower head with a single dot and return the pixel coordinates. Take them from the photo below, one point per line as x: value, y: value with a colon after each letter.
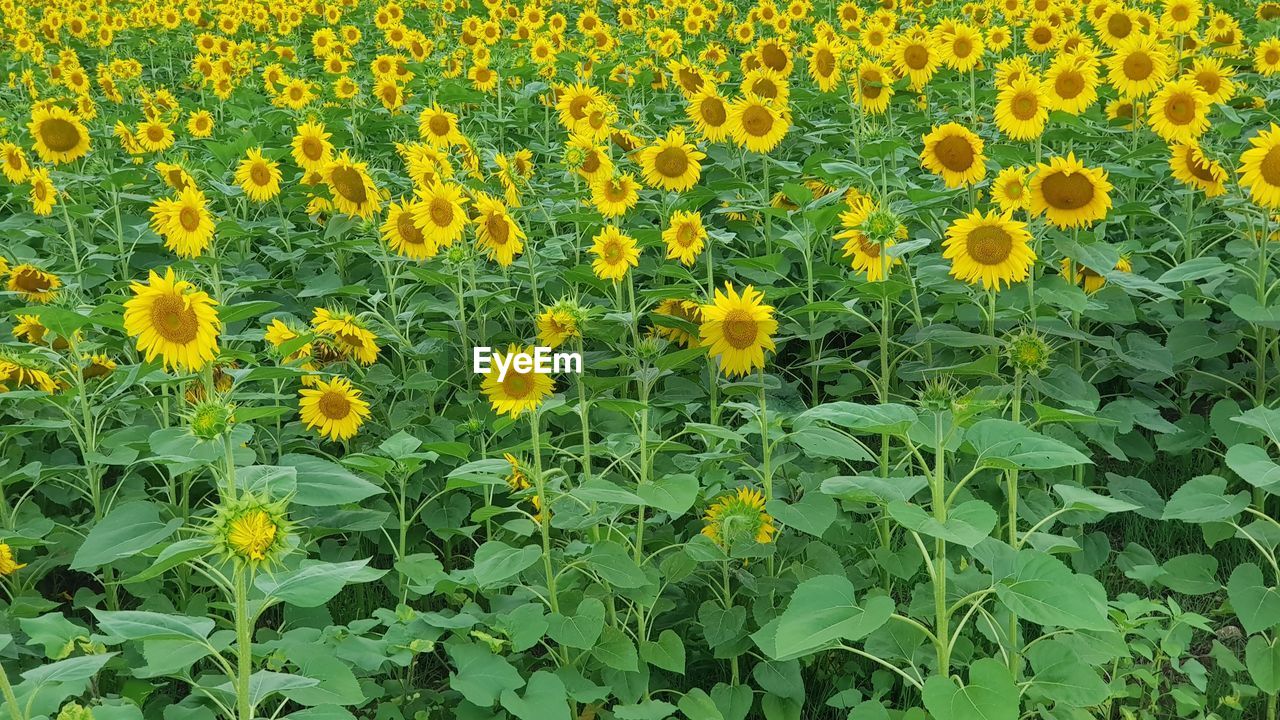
x: 8, y: 563
x: 19, y: 372
x: 679, y: 321
x: 33, y: 284
x: 517, y: 480
x: 1190, y: 166
x: 739, y: 518
x: 251, y: 531
x: 347, y: 333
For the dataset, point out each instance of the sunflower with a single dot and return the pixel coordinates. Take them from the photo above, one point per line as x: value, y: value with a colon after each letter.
x: 402, y: 234
x: 1120, y: 113
x: 709, y: 113
x: 1020, y: 110
x: 59, y: 134
x: 686, y: 311
x: 1009, y: 189
x: 200, y: 124
x: 873, y: 88
x: 311, y: 147
x: 589, y: 160
x: 824, y: 64
x: 962, y: 47
x: 99, y: 366
x: 438, y: 212
x: 614, y: 196
x: 1190, y: 166
x: 1138, y: 67
x: 671, y: 163
x: 557, y: 324
x: 1266, y: 58
x: 8, y: 565
x: 1214, y: 78
x: 184, y: 221
x: 348, y: 332
x: 1259, y: 169
x: 954, y: 153
x: 1069, y: 194
x: 738, y: 329
x: 25, y: 372
x: 517, y: 480
x: 258, y: 176
x: 497, y: 234
x: 333, y: 408
x: 351, y: 189
x: 1041, y: 36
x: 174, y: 319
x: 615, y: 253
x: 866, y: 255
x: 685, y: 237
x: 439, y: 127
x: 758, y: 125
x: 738, y: 518
x: 573, y: 101
x: 1116, y: 25
x: 250, y: 531
x: 43, y: 194
x: 279, y: 332
x: 1181, y: 16
x: 1179, y: 112
x: 1089, y: 279
x: 15, y: 165
x: 33, y: 284
x: 154, y: 135
x: 916, y: 59
x: 1071, y: 85
x: 515, y: 392
x: 483, y: 78
x: 991, y: 249
x: 29, y: 329
x: 175, y: 176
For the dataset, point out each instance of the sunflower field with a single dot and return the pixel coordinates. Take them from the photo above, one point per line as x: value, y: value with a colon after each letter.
x: 919, y: 359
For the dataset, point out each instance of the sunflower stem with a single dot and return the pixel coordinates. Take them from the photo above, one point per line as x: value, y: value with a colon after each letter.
x: 244, y: 644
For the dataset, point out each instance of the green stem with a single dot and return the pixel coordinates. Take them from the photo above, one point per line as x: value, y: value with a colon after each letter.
x: 9, y: 698
x: 244, y: 644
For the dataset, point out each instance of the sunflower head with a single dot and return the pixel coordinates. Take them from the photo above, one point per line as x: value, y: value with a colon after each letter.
x: 8, y: 564
x: 210, y: 419
x: 1028, y: 352
x: 939, y: 394
x: 739, y: 518
x: 252, y: 531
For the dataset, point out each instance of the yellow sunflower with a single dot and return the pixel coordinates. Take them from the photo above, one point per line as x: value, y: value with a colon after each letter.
x: 615, y: 253
x: 866, y: 255
x: 59, y: 134
x: 1009, y: 189
x: 348, y: 332
x: 684, y: 310
x: 401, y: 232
x: 1021, y: 112
x: 43, y: 194
x: 1190, y: 166
x: 258, y: 176
x: 439, y: 127
x: 671, y: 163
x: 200, y: 124
x: 557, y: 324
x: 614, y: 196
x: 174, y: 319
x: 438, y: 212
x: 1138, y: 67
x: 737, y: 329
x: 1214, y: 78
x: 28, y: 328
x: 515, y: 392
x: 1071, y: 85
x: 954, y: 153
x: 739, y: 517
x: 1089, y: 279
x: 1069, y: 194
x: 334, y: 408
x: 154, y: 135
x: 873, y: 88
x: 33, y: 284
x: 184, y: 221
x: 685, y: 237
x: 351, y: 189
x: 1266, y: 57
x: 497, y: 234
x: 989, y: 249
x: 15, y: 165
x: 1179, y: 112
x: 588, y: 159
x: 1259, y: 168
x: 917, y: 59
x: 311, y: 147
x: 758, y: 125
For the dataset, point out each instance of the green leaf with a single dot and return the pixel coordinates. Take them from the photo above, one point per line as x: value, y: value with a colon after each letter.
x: 812, y: 514
x: 823, y: 610
x: 141, y: 625
x: 543, y: 698
x: 673, y: 494
x: 482, y: 677
x: 1254, y: 465
x: 55, y: 632
x: 336, y: 683
x: 667, y: 653
x: 616, y: 650
x: 497, y: 561
x: 1256, y: 603
x: 698, y: 705
x: 647, y: 710
x: 615, y: 565
x: 314, y: 583
x: 1034, y: 591
x: 1007, y: 445
x: 968, y: 524
x: 322, y: 483
x: 828, y: 443
x: 868, y: 419
x: 1265, y: 419
x: 69, y: 670
x: 990, y: 694
x: 1084, y: 499
x: 127, y: 530
x: 1204, y: 499
x: 580, y: 630
x: 1263, y: 660
x: 172, y: 556
x: 1062, y: 677
x: 874, y: 489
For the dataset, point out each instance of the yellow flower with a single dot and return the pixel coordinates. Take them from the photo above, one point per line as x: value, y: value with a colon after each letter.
x: 15, y: 165
x: 757, y: 124
x: 739, y: 517
x: 438, y: 213
x: 401, y: 232
x: 333, y: 408
x: 1179, y: 112
x: 1259, y: 169
x: 990, y: 249
x: 709, y: 113
x: 514, y: 392
x: 43, y: 194
x: 8, y: 565
x: 174, y: 319
x: 350, y: 335
x: 250, y: 530
x: 738, y: 329
x: 200, y: 124
x: 497, y: 233
x: 1021, y: 111
x: 954, y: 153
x: 557, y: 324
x: 33, y: 284
x: 312, y: 150
x: 184, y: 221
x: 258, y: 176
x: 1009, y: 189
x: 28, y: 328
x: 615, y: 253
x: 685, y: 311
x: 59, y: 134
x: 614, y: 196
x: 1069, y: 194
x: 685, y: 237
x: 351, y: 189
x: 439, y: 127
x: 670, y: 163
x: 1089, y: 279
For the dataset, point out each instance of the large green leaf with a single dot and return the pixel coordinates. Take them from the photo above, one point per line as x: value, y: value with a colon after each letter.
x: 1035, y: 592
x: 1262, y: 657
x: 823, y: 610
x: 314, y: 583
x: 1204, y: 499
x: 496, y: 562
x: 968, y: 523
x: 1256, y: 603
x: 1009, y: 446
x: 1062, y: 677
x: 322, y: 483
x: 127, y: 530
x: 989, y: 695
x: 884, y: 418
x: 140, y: 625
x: 481, y: 676
x: 544, y: 697
x: 1254, y: 465
x: 580, y: 630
